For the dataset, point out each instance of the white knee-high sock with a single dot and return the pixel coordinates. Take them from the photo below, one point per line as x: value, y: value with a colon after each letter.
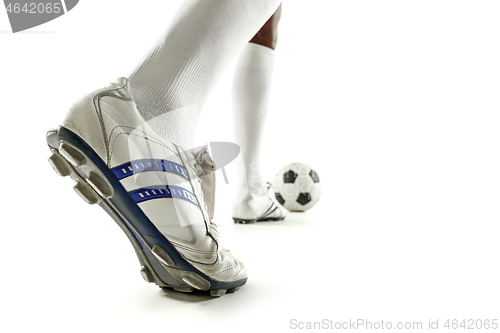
x: 251, y: 85
x: 172, y: 84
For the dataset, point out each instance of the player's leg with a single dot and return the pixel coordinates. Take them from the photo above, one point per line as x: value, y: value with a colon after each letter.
x: 251, y: 89
x: 268, y: 35
x: 171, y: 85
x: 151, y: 186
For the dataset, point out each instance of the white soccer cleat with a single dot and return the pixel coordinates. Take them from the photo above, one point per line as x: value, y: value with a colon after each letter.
x: 259, y: 208
x: 158, y: 193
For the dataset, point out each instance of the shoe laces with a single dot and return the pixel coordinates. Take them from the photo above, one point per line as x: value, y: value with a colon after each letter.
x: 204, y: 163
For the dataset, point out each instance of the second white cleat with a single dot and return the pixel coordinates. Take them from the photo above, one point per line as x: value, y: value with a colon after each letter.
x: 259, y: 208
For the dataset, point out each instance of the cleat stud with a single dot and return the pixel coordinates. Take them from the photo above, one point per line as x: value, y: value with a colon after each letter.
x: 184, y: 289
x: 218, y: 293
x: 162, y: 256
x: 59, y: 164
x: 86, y: 193
x: 244, y: 221
x: 233, y: 290
x: 194, y: 280
x: 146, y: 274
x: 100, y: 185
x: 72, y: 154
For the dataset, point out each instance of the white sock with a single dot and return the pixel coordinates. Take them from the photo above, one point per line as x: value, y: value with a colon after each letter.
x: 251, y: 85
x: 171, y: 85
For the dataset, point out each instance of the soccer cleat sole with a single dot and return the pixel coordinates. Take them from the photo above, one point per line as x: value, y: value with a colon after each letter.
x: 243, y: 221
x: 160, y: 263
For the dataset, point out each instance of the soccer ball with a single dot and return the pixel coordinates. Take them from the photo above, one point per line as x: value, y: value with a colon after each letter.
x: 297, y: 187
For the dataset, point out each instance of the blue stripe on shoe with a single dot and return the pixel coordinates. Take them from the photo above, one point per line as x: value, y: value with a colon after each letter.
x: 163, y: 191
x: 265, y: 215
x: 272, y: 211
x: 270, y: 207
x: 128, y: 169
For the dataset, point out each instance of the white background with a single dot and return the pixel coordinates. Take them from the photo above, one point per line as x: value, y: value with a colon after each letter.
x: 394, y: 103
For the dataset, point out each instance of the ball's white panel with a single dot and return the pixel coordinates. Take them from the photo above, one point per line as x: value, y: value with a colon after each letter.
x: 304, y: 184
x: 289, y: 192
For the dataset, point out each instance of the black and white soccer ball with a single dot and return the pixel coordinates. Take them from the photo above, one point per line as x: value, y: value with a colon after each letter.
x: 297, y: 187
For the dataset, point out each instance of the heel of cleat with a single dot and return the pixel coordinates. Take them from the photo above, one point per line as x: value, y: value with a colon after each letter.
x: 70, y: 157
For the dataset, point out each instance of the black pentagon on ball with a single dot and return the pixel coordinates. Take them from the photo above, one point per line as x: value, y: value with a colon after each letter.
x: 280, y: 198
x: 304, y: 198
x: 289, y: 177
x: 314, y: 176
